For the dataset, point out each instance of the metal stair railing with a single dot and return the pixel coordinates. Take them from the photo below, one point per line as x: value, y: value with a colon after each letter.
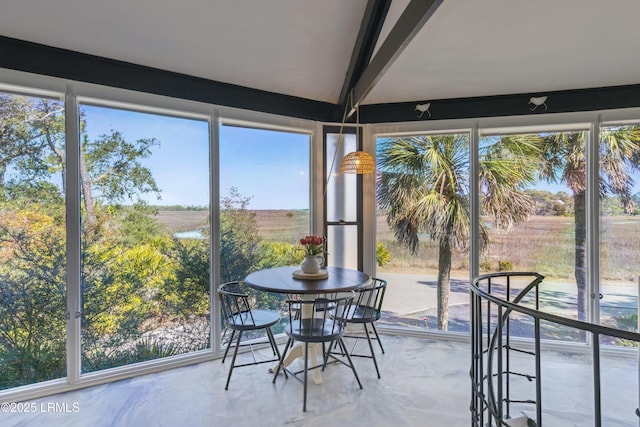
x: 492, y: 304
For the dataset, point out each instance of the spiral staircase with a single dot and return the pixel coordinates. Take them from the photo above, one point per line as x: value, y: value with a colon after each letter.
x: 506, y: 370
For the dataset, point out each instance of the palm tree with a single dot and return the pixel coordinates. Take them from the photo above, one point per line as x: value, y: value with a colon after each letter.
x: 563, y: 160
x: 424, y: 186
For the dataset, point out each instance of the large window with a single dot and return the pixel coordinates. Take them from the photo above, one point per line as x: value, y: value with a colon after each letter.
x: 538, y: 221
x: 265, y: 196
x: 136, y: 252
x: 536, y: 194
x: 32, y: 240
x: 423, y: 230
x: 145, y: 236
x: 619, y: 272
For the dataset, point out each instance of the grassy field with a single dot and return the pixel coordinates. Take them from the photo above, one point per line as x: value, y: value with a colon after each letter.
x: 176, y: 221
x: 544, y: 243
x: 283, y: 225
x: 274, y: 225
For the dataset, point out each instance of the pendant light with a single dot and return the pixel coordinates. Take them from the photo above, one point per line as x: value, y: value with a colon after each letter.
x: 357, y: 162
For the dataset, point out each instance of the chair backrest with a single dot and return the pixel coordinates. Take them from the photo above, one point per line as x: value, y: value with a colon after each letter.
x: 314, y: 320
x: 236, y: 309
x: 371, y: 297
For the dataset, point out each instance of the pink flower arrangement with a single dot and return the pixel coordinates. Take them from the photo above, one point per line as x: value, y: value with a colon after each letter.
x: 313, y: 245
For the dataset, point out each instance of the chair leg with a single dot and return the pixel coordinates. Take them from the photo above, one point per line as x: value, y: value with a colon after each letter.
x: 224, y: 335
x: 353, y: 367
x: 233, y: 360
x: 326, y: 354
x: 373, y: 355
x: 377, y: 337
x: 343, y: 350
x: 274, y: 345
x: 306, y: 371
x: 284, y: 354
x: 233, y: 332
x: 334, y: 344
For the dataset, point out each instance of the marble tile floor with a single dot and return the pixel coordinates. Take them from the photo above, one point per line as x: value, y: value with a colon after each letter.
x: 425, y: 382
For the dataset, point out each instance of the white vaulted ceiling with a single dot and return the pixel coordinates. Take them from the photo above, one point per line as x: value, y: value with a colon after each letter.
x: 303, y: 48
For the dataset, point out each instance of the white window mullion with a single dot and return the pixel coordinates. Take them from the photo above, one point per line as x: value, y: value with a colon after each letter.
x: 593, y: 221
x: 214, y: 220
x: 73, y: 222
x: 474, y: 202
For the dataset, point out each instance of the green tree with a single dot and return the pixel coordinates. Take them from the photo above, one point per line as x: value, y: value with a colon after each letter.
x: 30, y: 127
x: 239, y: 237
x: 32, y: 140
x: 125, y: 266
x: 32, y: 300
x: 563, y: 160
x: 114, y: 171
x: 424, y: 188
x: 136, y: 223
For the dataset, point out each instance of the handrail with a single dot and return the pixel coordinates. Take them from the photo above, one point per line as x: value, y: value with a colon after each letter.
x: 573, y: 323
x: 488, y: 387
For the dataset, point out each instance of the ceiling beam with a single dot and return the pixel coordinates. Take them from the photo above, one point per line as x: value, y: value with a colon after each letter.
x: 370, y: 27
x: 416, y: 14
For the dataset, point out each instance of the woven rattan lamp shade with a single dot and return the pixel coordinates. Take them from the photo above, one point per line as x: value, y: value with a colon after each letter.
x: 357, y: 162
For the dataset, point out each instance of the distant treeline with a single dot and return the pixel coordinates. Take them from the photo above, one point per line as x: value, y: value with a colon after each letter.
x: 180, y: 208
x: 550, y: 204
x: 561, y: 204
x: 205, y: 208
x: 547, y: 204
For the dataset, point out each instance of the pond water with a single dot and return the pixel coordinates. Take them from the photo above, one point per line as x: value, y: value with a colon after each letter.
x: 189, y: 234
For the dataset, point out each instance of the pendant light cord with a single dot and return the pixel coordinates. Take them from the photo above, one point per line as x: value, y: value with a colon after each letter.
x: 340, y: 138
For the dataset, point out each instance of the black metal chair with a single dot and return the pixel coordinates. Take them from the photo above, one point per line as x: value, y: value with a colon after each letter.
x: 311, y: 321
x: 239, y: 317
x: 366, y: 310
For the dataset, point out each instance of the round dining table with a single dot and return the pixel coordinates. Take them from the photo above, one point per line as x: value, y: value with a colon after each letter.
x: 281, y: 280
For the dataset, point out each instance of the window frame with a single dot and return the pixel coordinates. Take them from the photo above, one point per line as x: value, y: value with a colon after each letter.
x: 73, y: 93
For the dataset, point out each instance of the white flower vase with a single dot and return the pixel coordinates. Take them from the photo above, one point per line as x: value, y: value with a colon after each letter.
x: 312, y: 264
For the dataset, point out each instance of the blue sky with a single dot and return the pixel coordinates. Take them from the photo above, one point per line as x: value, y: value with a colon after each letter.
x: 269, y: 167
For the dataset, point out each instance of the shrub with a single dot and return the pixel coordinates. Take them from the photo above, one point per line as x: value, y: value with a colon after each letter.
x: 383, y: 256
x: 505, y: 266
x: 626, y: 322
x: 279, y: 254
x: 486, y: 265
